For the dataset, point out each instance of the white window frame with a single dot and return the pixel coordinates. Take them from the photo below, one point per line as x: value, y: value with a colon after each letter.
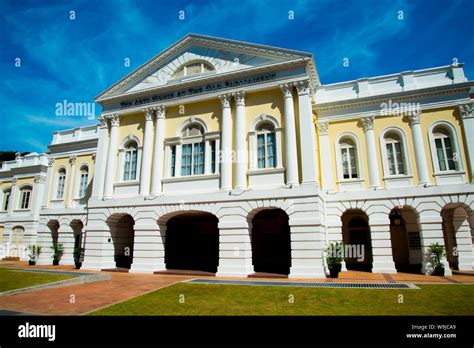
x: 23, y: 190
x: 448, y: 176
x: 6, y: 193
x: 79, y: 182
x: 350, y: 184
x: 121, y: 161
x: 383, y: 151
x: 192, y: 62
x: 56, y: 183
x: 253, y: 144
x: 265, y: 133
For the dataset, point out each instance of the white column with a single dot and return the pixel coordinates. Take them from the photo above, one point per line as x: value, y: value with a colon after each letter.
x: 12, y: 203
x: 111, y: 157
x: 235, y: 248
x: 374, y: 176
x: 145, y: 173
x: 309, y: 164
x: 72, y: 176
x: 467, y: 116
x: 177, y: 161
x: 49, y: 183
x: 325, y: 157
x: 420, y: 154
x: 38, y: 193
x: 240, y: 142
x: 168, y: 161
x: 382, y: 259
x: 148, y: 247
x: 226, y: 143
x: 100, y: 159
x: 158, y: 152
x: 66, y: 237
x: 207, y: 157
x: 291, y: 153
x: 431, y: 231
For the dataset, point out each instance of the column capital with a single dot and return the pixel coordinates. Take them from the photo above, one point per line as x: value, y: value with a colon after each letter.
x: 114, y: 120
x: 160, y: 111
x: 413, y: 117
x: 302, y: 87
x: 94, y: 156
x: 225, y: 100
x: 40, y: 179
x: 149, y: 113
x: 287, y: 90
x: 322, y: 128
x: 466, y: 110
x: 368, y: 123
x: 14, y: 180
x: 50, y: 161
x: 72, y: 160
x: 103, y: 121
x: 239, y: 98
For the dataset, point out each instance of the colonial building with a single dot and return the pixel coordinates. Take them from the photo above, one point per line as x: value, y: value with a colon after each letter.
x: 233, y: 158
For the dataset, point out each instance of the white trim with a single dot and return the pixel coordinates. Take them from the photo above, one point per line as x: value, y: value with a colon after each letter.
x: 78, y: 185
x: 253, y: 151
x: 121, y: 161
x: 340, y: 176
x: 189, y: 121
x: 448, y: 176
x: 387, y: 177
x: 54, y: 193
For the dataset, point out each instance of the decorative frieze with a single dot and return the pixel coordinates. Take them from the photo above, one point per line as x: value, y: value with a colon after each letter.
x: 40, y: 179
x: 322, y: 128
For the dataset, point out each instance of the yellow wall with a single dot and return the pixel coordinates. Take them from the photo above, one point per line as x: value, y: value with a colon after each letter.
x: 428, y: 118
x: 64, y: 162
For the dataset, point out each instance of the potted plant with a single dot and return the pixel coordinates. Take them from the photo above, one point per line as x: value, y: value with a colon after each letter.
x: 436, y: 253
x: 58, y: 251
x: 33, y: 253
x: 78, y: 257
x: 334, y: 257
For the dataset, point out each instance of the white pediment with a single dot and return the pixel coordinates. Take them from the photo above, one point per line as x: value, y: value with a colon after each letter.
x: 222, y: 56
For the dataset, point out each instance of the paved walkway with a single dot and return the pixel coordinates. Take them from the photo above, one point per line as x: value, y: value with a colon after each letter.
x: 123, y: 286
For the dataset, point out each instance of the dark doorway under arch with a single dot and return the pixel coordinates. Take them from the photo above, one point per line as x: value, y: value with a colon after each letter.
x: 192, y: 242
x: 123, y: 236
x: 356, y: 234
x: 271, y: 243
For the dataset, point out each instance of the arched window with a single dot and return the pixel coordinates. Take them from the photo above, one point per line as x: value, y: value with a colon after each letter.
x: 348, y: 158
x: 193, y: 68
x: 25, y: 197
x: 83, y: 180
x: 445, y: 149
x: 130, y: 161
x: 395, y: 154
x: 192, y: 150
x: 6, y: 199
x: 61, y: 182
x: 266, y: 146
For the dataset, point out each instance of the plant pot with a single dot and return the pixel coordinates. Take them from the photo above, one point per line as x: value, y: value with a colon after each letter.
x: 438, y: 271
x: 31, y: 262
x: 334, y: 271
x: 78, y: 265
x: 55, y: 262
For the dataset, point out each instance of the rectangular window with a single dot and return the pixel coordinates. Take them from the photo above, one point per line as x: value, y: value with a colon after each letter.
x: 130, y: 167
x: 186, y: 159
x: 261, y: 150
x: 440, y: 154
x: 271, y: 150
x: 198, y: 158
x: 133, y: 175
x: 6, y: 200
x: 399, y: 158
x: 349, y: 167
x: 449, y: 154
x: 60, y: 191
x: 391, y: 159
x: 173, y: 160
x: 25, y: 199
x: 83, y: 185
x: 213, y: 156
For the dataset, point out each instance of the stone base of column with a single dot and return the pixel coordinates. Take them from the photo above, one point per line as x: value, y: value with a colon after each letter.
x: 235, y: 271
x: 147, y: 267
x: 384, y: 267
x: 307, y: 272
x: 312, y: 182
x: 97, y: 265
x: 343, y: 266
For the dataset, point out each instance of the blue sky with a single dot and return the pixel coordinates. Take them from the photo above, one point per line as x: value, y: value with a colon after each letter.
x: 75, y: 60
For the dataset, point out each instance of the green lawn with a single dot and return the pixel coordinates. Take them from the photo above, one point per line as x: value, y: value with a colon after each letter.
x: 10, y: 279
x: 205, y: 299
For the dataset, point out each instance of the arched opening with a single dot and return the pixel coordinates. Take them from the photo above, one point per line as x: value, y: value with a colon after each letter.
x: 457, y: 237
x: 406, y: 242
x: 192, y: 242
x: 271, y: 244
x: 16, y: 242
x: 77, y: 228
x: 123, y: 235
x: 357, y: 241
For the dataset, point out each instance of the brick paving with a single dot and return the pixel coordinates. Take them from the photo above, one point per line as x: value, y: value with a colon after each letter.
x: 123, y: 286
